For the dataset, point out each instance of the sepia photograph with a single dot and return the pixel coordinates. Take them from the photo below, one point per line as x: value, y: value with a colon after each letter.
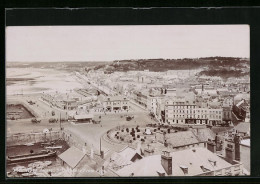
x: 127, y: 101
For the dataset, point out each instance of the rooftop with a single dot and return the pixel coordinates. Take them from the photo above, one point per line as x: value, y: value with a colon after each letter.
x: 193, y: 159
x: 125, y: 156
x: 243, y: 127
x: 83, y: 116
x: 182, y: 138
x: 72, y: 156
x: 115, y: 98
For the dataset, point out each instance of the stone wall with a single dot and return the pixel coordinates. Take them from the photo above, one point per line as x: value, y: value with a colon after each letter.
x: 20, y: 139
x: 75, y: 141
x: 16, y: 102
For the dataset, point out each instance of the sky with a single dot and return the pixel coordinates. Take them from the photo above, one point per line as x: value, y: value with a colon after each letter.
x: 108, y: 43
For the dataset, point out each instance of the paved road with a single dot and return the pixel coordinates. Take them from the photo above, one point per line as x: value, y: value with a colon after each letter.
x: 41, y: 108
x: 89, y: 133
x: 92, y: 133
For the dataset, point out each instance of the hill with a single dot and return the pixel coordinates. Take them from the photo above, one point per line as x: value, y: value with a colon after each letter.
x: 212, y: 66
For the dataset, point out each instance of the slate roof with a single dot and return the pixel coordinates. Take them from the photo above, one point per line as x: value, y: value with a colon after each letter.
x: 182, y: 138
x: 72, y: 156
x: 151, y: 165
x: 124, y: 157
x: 204, y: 134
x: 243, y: 127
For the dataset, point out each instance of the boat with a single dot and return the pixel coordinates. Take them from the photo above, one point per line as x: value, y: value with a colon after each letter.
x: 31, y: 165
x: 29, y: 144
x: 28, y: 174
x: 47, y: 163
x: 47, y: 144
x: 15, y: 169
x: 38, y: 165
x: 33, y: 156
x: 25, y: 174
x: 22, y: 170
x: 53, y: 147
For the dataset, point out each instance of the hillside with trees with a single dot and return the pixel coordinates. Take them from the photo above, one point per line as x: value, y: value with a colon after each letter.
x: 212, y: 66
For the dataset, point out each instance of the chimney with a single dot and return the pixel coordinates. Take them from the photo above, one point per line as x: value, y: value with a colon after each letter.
x: 230, y: 153
x: 211, y: 146
x: 166, y: 161
x: 237, y: 147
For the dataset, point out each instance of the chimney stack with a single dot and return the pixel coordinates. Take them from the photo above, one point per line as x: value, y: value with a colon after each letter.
x: 166, y: 161
x: 211, y: 146
x: 230, y: 153
x: 237, y: 147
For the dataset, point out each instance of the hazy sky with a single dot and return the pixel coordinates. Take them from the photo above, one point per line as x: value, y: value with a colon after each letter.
x: 107, y: 43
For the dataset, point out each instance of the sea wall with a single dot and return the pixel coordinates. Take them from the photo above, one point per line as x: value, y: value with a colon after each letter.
x: 21, y: 139
x: 30, y: 109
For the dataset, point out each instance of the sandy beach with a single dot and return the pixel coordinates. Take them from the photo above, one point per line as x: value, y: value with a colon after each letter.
x: 34, y: 80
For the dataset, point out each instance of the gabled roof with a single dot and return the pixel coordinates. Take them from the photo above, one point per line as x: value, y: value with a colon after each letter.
x: 72, y: 156
x: 193, y: 160
x: 124, y: 156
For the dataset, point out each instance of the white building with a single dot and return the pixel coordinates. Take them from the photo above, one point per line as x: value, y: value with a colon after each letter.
x: 111, y: 103
x: 182, y: 111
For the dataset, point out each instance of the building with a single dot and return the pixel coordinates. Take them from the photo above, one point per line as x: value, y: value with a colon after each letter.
x: 71, y: 158
x: 215, y: 116
x: 190, y: 162
x: 83, y: 118
x: 228, y: 101
x: 227, y: 114
x: 68, y: 101
x: 179, y: 111
x: 242, y: 110
x: 124, y: 157
x: 179, y: 140
x: 182, y: 111
x: 140, y: 98
x: 114, y: 103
